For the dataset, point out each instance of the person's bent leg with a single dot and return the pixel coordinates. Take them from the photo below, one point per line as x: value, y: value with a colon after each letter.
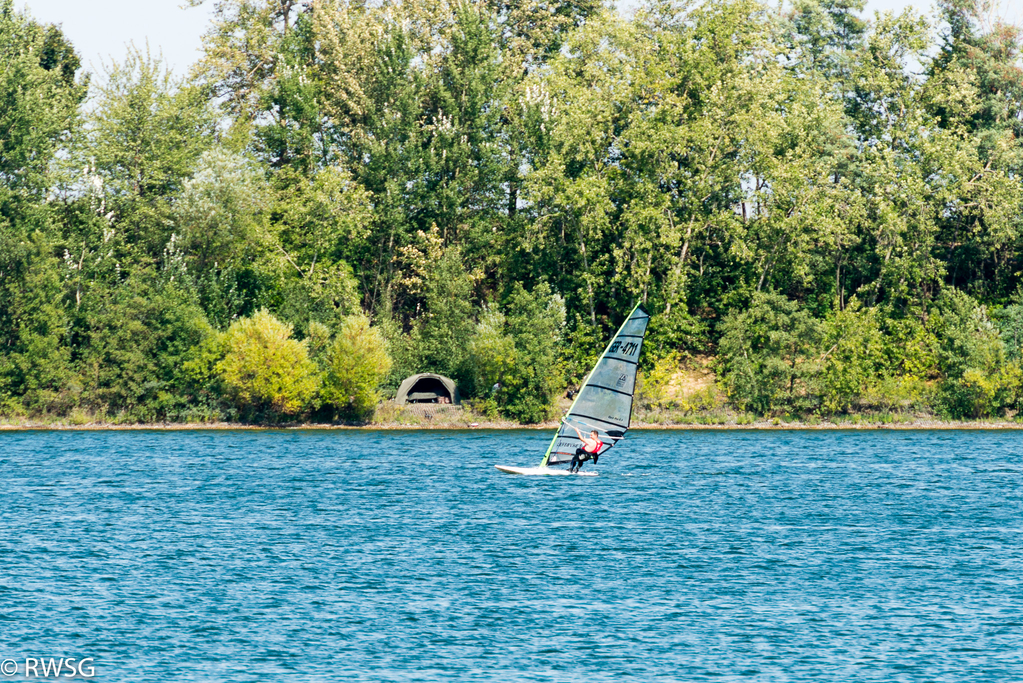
x: 583, y: 457
x: 579, y: 458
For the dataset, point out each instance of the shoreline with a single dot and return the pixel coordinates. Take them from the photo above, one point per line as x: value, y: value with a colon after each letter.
x: 760, y: 425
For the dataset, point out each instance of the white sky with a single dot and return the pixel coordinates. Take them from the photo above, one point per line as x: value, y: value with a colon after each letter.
x: 101, y: 29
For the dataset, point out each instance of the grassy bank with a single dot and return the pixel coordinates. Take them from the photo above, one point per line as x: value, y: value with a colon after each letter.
x: 455, y: 418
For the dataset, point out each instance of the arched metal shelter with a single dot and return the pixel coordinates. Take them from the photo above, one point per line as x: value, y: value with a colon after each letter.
x: 427, y: 387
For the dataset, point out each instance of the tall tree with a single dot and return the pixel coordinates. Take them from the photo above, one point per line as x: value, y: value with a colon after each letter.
x: 40, y: 92
x: 145, y: 136
x: 974, y: 90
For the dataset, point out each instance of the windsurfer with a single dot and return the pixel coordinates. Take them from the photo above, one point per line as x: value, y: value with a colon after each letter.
x: 590, y: 449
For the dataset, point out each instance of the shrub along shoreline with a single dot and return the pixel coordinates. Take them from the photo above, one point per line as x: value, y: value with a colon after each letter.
x: 389, y: 416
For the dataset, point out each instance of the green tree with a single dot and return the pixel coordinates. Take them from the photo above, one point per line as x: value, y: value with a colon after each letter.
x: 826, y: 34
x: 219, y: 234
x: 523, y: 356
x: 493, y: 357
x: 853, y: 358
x: 241, y: 51
x: 441, y: 332
x: 974, y: 90
x: 769, y: 353
x: 318, y: 226
x: 39, y: 97
x: 264, y: 371
x: 130, y: 341
x: 980, y: 50
x: 977, y: 378
x: 357, y: 363
x: 405, y: 97
x: 146, y: 135
x: 1010, y: 325
x: 40, y: 92
x: 35, y: 370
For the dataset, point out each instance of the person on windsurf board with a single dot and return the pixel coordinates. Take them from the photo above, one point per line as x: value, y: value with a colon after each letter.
x: 605, y: 397
x: 590, y: 449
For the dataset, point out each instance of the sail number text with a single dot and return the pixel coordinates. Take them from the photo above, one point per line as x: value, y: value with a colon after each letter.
x: 626, y: 349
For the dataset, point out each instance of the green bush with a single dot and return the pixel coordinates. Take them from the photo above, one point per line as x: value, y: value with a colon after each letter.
x: 899, y: 392
x: 769, y: 355
x: 981, y: 393
x: 357, y: 362
x: 133, y: 341
x: 264, y: 371
x: 852, y: 358
x: 978, y: 379
x: 518, y: 349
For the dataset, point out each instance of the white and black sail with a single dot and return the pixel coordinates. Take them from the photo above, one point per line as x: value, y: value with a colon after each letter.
x: 604, y: 401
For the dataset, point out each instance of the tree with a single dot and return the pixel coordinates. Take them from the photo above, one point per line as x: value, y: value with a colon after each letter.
x: 974, y: 90
x: 769, y: 355
x: 264, y: 370
x: 404, y: 97
x: 977, y: 378
x: 519, y: 351
x: 317, y: 227
x: 35, y: 360
x: 981, y: 50
x: 853, y: 358
x: 493, y: 356
x: 440, y: 333
x: 826, y: 34
x: 218, y: 230
x: 130, y: 341
x: 40, y: 92
x: 357, y: 362
x: 145, y: 138
x: 241, y: 49
x: 39, y: 98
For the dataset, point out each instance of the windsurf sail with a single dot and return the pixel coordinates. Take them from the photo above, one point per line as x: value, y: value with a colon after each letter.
x: 604, y: 401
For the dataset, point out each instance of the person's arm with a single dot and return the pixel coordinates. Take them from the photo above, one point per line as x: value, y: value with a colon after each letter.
x: 587, y: 441
x: 576, y: 429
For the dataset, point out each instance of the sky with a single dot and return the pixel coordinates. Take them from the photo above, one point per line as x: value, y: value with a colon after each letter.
x: 102, y: 29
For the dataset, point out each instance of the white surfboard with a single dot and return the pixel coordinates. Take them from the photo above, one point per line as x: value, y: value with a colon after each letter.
x: 542, y: 471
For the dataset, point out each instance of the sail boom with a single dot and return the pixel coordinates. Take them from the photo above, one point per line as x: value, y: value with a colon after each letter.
x: 600, y: 419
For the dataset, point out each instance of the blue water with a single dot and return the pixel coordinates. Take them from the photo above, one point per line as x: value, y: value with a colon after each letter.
x: 404, y: 556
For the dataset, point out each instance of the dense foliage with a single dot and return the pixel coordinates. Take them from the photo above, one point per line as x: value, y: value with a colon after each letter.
x: 341, y: 194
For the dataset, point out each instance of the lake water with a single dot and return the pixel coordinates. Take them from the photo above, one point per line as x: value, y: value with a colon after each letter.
x: 405, y: 556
